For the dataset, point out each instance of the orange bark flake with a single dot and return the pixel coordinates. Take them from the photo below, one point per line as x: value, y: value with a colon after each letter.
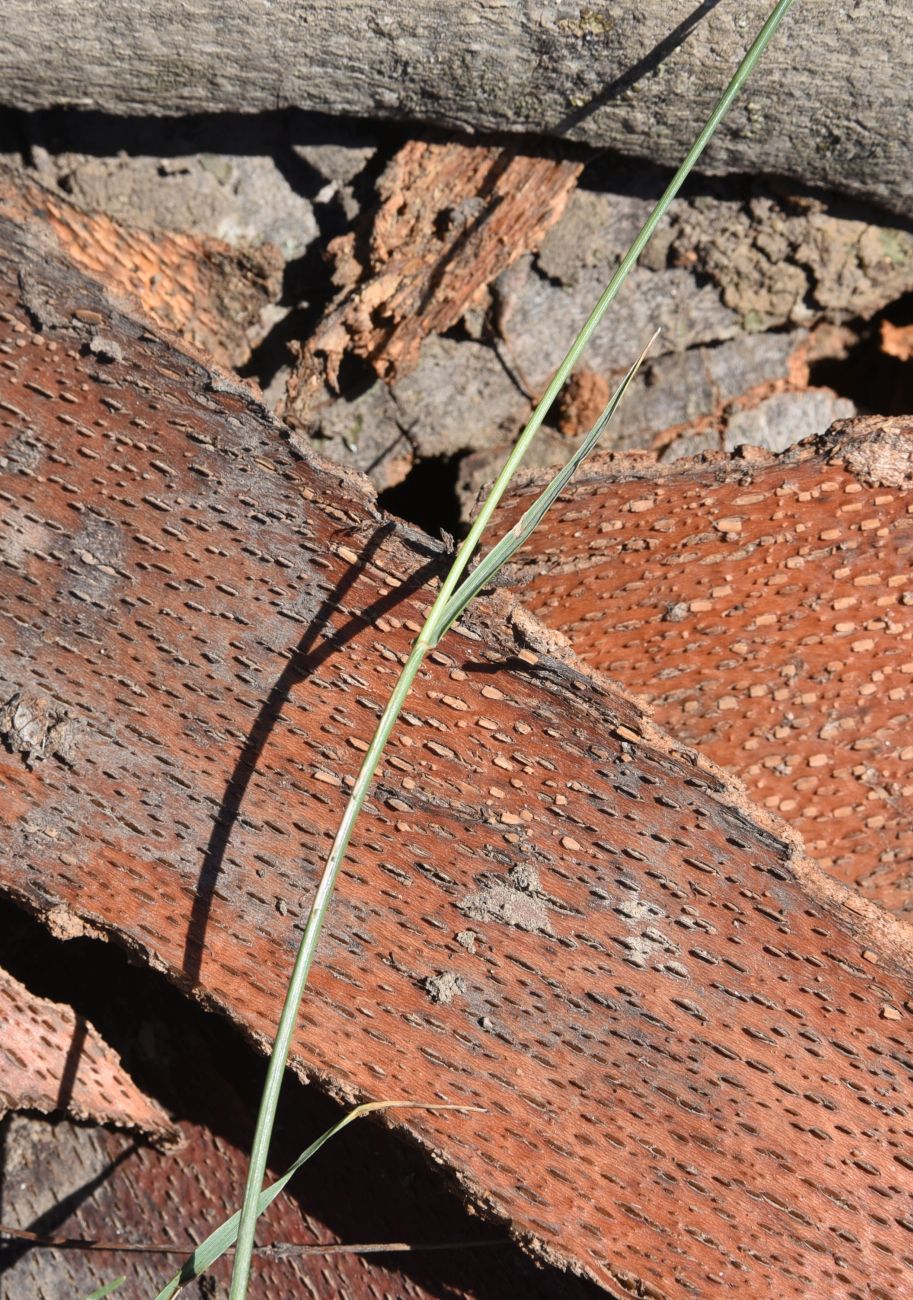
x: 52, y: 1060
x: 207, y: 292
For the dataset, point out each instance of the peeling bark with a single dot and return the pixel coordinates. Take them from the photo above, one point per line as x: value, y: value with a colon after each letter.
x: 897, y: 341
x: 210, y: 294
x: 451, y: 217
x: 53, y: 1061
x: 760, y: 606
x: 704, y: 1025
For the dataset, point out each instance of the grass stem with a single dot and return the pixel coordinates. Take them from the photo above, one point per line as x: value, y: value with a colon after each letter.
x: 436, y: 623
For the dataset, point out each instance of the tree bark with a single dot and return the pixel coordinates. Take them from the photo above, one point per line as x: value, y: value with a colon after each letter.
x: 829, y: 104
x: 210, y: 294
x: 550, y: 909
x: 450, y: 219
x: 760, y: 606
x: 52, y: 1061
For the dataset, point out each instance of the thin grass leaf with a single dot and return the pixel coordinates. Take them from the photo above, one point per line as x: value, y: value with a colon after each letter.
x: 510, y: 543
x: 224, y: 1237
x: 424, y: 642
x: 102, y: 1291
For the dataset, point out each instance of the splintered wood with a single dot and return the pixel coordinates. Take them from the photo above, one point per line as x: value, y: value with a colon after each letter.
x: 451, y: 217
x: 692, y: 1046
x: 207, y: 292
x: 53, y: 1060
x: 763, y: 607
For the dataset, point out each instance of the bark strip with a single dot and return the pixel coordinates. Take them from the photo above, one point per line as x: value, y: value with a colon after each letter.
x: 52, y: 1060
x: 763, y: 607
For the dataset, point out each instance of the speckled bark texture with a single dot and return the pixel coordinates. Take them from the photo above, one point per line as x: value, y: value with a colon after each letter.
x: 828, y: 105
x: 692, y: 1047
x: 212, y: 295
x: 52, y: 1060
x: 762, y: 607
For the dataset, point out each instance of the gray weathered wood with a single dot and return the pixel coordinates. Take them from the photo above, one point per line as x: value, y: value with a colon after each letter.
x: 830, y: 103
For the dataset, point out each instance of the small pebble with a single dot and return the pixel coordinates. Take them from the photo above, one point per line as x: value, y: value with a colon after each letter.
x: 106, y: 349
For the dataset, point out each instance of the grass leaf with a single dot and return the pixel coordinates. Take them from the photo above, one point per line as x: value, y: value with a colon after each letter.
x: 500, y: 554
x: 100, y: 1292
x: 224, y: 1237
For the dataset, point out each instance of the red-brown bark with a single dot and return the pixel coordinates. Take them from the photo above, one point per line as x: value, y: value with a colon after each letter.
x: 207, y: 292
x: 52, y: 1060
x: 691, y: 1045
x: 87, y: 1185
x: 763, y: 607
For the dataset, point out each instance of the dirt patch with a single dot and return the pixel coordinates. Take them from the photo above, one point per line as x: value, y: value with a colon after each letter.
x: 444, y: 986
x: 516, y: 900
x: 779, y: 262
x: 33, y: 725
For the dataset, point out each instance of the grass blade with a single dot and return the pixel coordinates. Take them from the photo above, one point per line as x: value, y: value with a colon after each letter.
x: 100, y: 1292
x: 425, y: 640
x: 500, y: 554
x: 224, y: 1237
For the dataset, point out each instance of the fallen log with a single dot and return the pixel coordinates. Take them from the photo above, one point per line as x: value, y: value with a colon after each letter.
x: 54, y: 1062
x: 690, y: 1043
x: 761, y: 606
x: 638, y: 79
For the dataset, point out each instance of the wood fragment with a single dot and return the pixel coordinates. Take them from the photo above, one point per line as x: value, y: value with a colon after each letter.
x: 450, y: 218
x: 53, y: 1061
x: 897, y: 341
x: 762, y: 606
x: 693, y: 1036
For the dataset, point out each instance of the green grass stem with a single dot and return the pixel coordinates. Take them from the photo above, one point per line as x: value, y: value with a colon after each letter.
x: 500, y: 554
x: 435, y: 625
x: 224, y: 1237
x: 108, y: 1289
